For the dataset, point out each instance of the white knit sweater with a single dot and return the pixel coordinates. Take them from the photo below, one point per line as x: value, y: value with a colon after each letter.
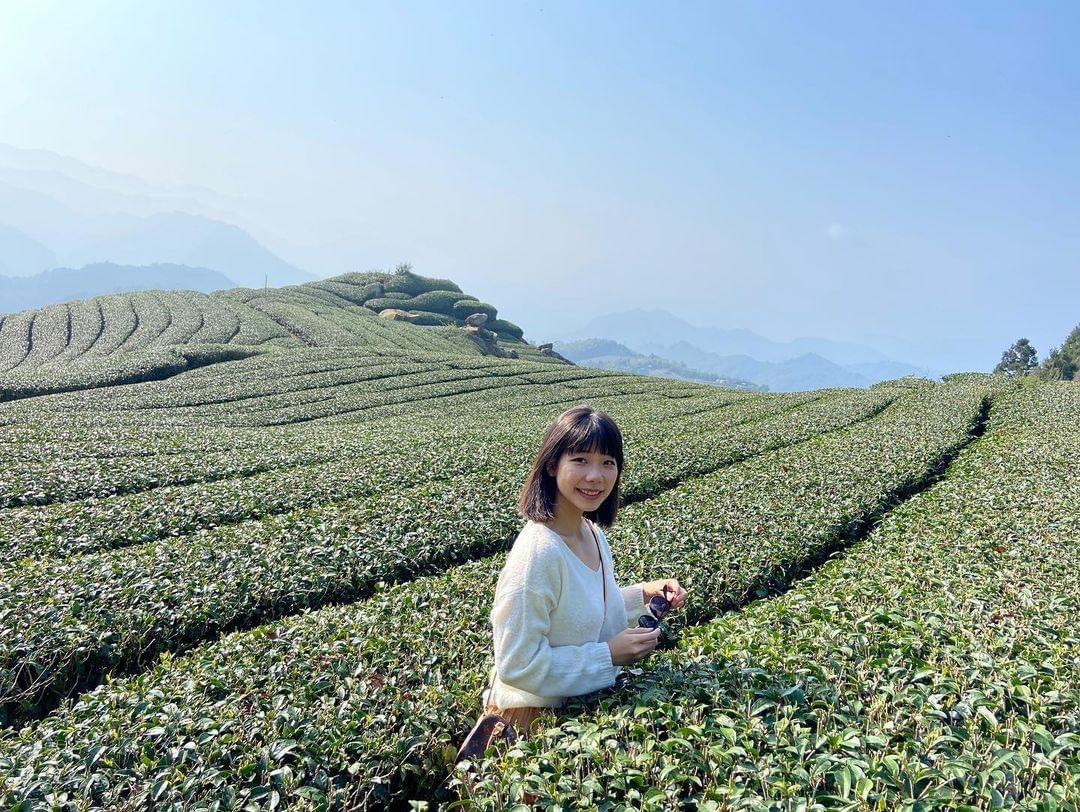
x: 550, y: 625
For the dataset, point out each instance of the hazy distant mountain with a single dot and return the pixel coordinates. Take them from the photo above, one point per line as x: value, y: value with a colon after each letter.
x: 804, y: 363
x: 68, y: 284
x: 187, y: 239
x: 91, y: 188
x: 650, y: 330
x: 21, y: 255
x: 81, y: 215
x: 809, y: 371
x: 606, y: 354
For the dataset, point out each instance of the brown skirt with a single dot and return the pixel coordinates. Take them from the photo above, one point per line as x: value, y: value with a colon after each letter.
x: 524, y: 720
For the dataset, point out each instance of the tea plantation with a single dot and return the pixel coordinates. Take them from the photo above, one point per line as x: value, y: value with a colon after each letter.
x: 249, y: 542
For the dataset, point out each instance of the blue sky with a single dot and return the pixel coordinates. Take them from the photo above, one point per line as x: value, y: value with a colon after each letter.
x: 905, y: 175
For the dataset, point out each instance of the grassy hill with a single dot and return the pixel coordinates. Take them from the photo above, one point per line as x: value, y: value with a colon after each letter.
x: 249, y: 542
x: 130, y: 337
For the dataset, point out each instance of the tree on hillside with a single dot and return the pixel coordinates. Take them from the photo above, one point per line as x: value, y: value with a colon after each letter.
x: 1063, y: 363
x: 1057, y: 367
x: 1019, y: 359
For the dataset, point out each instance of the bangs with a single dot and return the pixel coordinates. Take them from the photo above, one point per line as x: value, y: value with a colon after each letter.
x: 597, y: 434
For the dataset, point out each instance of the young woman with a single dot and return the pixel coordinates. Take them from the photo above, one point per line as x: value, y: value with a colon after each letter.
x: 562, y: 625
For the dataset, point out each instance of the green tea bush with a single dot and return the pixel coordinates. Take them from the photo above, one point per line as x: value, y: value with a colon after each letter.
x: 463, y: 308
x: 405, y: 281
x: 15, y: 338
x: 116, y: 369
x: 118, y: 316
x: 47, y: 336
x: 425, y: 319
x: 355, y: 293
x: 505, y: 329
x: 401, y: 301
x: 436, y: 301
x: 86, y: 328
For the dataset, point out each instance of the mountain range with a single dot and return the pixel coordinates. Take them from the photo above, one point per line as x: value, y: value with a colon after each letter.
x: 802, y: 363
x: 598, y: 352
x: 68, y: 284
x: 55, y: 211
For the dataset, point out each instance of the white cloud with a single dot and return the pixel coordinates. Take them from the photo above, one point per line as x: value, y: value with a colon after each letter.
x: 835, y: 231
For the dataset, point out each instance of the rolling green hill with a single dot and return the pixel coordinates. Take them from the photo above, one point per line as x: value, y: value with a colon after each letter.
x: 249, y: 543
x: 130, y: 337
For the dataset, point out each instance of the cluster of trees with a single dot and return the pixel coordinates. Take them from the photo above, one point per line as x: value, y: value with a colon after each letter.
x: 1061, y: 363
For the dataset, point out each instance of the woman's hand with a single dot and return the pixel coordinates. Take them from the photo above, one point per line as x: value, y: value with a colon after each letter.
x: 634, y: 644
x: 675, y: 593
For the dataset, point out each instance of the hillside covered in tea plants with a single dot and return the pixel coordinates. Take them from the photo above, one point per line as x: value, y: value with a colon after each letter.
x: 249, y: 542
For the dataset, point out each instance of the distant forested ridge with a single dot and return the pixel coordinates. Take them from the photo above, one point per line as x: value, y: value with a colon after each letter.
x: 67, y: 284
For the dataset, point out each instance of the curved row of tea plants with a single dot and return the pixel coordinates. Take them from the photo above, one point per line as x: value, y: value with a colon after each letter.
x: 36, y: 479
x: 118, y: 369
x: 244, y: 379
x: 132, y: 406
x: 53, y: 433
x: 67, y: 625
x: 355, y: 463
x: 126, y: 322
x: 936, y: 666
x: 286, y: 475
x: 363, y: 703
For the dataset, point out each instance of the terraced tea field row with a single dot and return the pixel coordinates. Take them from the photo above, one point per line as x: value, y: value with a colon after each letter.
x: 359, y: 703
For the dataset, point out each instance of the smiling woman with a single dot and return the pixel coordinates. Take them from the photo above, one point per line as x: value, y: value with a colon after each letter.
x: 562, y: 625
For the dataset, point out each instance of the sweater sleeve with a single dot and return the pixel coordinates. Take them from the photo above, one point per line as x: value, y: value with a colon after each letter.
x: 633, y: 599
x: 524, y: 659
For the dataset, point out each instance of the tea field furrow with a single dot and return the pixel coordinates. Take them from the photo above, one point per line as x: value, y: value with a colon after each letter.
x: 43, y: 481
x: 86, y: 327
x: 935, y: 666
x: 120, y: 320
x: 521, y: 400
x: 57, y: 481
x: 219, y: 325
x: 48, y: 333
x: 255, y: 328
x: 322, y: 666
x: 86, y: 526
x: 233, y: 385
x: 185, y: 320
x: 207, y: 386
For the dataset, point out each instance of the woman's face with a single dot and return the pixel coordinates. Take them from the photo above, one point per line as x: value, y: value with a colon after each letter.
x: 584, y: 479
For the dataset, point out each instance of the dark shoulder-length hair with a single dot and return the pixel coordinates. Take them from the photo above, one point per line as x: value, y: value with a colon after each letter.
x: 580, y: 429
